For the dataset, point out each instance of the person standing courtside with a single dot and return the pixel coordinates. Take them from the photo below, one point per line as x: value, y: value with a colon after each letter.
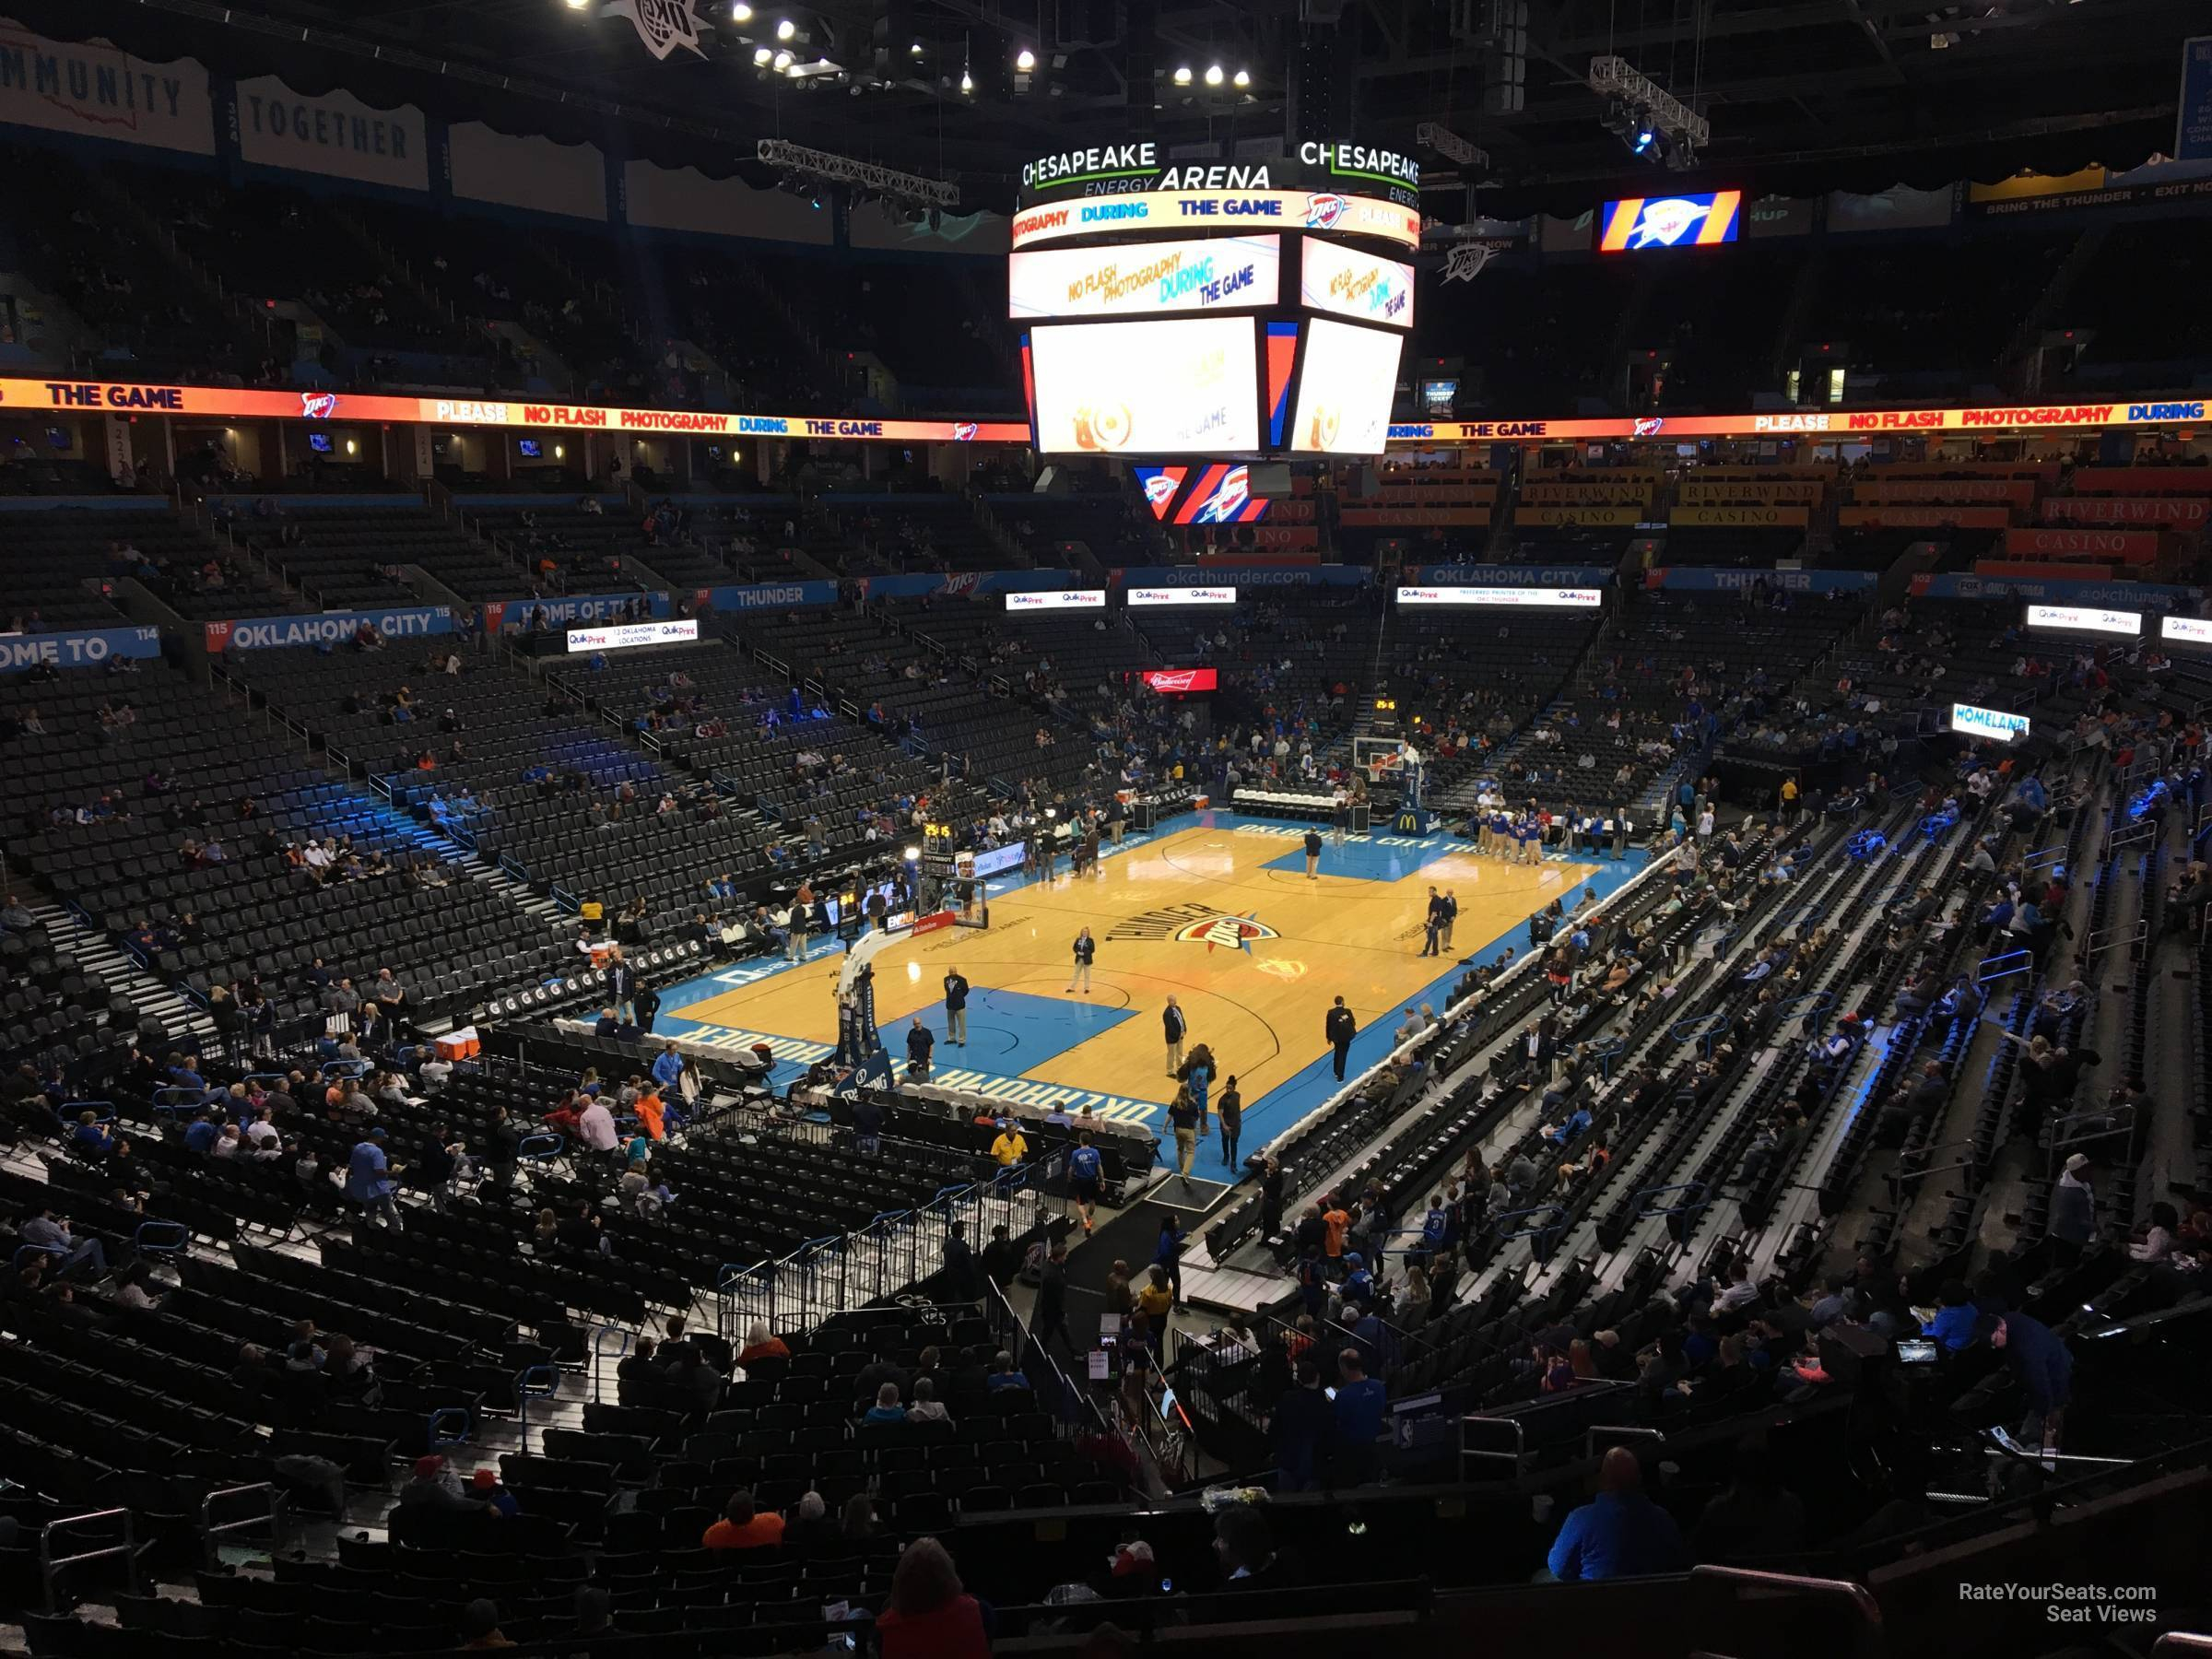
x: 1340, y: 1029
x: 1228, y: 1106
x: 1172, y: 1022
x: 1432, y: 925
x: 1312, y: 856
x: 1086, y: 950
x: 621, y: 986
x: 956, y: 1008
x: 1451, y: 913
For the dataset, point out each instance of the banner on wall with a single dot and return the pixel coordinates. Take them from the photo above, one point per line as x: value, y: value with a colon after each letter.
x: 2131, y: 595
x: 1897, y: 208
x: 1618, y: 518
x: 1248, y: 576
x: 335, y: 134
x: 2120, y: 546
x: 1484, y: 575
x: 768, y: 596
x: 1587, y: 492
x: 1698, y: 579
x: 1928, y: 517
x: 1766, y: 491
x: 2186, y: 512
x: 522, y: 616
x: 1742, y: 514
x: 325, y: 628
x: 533, y: 174
x: 2149, y: 480
x: 95, y: 90
x: 874, y: 226
x: 2013, y: 492
x: 1472, y: 517
x: 80, y: 648
x: 2193, y: 121
x: 683, y: 198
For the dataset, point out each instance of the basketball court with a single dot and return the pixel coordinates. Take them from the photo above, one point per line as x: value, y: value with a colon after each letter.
x: 1213, y: 909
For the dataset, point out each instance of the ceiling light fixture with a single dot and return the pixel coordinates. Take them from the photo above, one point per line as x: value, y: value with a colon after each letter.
x: 1025, y: 59
x: 1241, y: 79
x: 1182, y: 74
x: 761, y: 54
x: 740, y: 12
x: 1212, y: 74
x: 785, y: 29
x: 967, y: 81
x: 783, y: 62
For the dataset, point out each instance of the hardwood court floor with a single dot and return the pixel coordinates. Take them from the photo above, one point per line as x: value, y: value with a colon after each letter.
x: 1218, y: 913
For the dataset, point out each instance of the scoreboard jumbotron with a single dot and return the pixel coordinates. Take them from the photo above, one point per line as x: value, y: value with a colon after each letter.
x: 1242, y: 310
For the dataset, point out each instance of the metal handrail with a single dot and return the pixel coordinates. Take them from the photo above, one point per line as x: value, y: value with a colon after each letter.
x: 597, y: 1337
x: 1856, y: 1596
x: 1632, y: 1430
x: 279, y: 1506
x: 1514, y: 1457
x: 532, y: 1382
x: 51, y: 1569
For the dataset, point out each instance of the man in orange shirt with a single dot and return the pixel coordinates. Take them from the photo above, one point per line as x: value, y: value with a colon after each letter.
x: 649, y: 1110
x: 743, y: 1528
x: 1336, y: 1219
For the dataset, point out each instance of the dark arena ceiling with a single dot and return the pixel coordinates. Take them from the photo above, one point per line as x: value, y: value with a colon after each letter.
x: 1802, y: 95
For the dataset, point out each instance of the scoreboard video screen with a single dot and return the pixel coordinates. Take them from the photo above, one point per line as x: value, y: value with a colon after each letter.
x: 1345, y: 390
x: 1234, y: 309
x: 1147, y: 387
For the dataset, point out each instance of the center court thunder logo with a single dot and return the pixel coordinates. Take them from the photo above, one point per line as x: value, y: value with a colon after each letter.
x: 1194, y: 924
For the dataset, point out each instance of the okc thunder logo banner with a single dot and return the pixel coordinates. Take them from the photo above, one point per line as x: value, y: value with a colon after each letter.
x: 662, y: 25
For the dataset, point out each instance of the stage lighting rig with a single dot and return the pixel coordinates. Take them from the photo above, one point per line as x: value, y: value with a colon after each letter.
x: 1646, y: 117
x: 816, y: 168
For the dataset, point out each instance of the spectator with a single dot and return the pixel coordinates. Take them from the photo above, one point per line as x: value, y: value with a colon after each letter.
x: 369, y: 1182
x: 1754, y: 1516
x: 1244, y: 1546
x: 480, y: 1627
x: 887, y: 1408
x: 744, y: 1527
x: 1003, y: 1374
x: 760, y: 1343
x: 1622, y: 1535
x: 1302, y: 1429
x: 810, y: 1525
x: 929, y: 1615
x: 49, y: 1231
x: 434, y: 1485
x: 1360, y: 1401
x: 927, y: 1407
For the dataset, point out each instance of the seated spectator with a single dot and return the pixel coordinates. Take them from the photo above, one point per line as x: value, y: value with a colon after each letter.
x: 927, y: 1407
x: 887, y: 1408
x: 744, y: 1527
x: 1955, y: 1317
x: 434, y: 1485
x: 1003, y: 1374
x: 1621, y: 1534
x: 929, y: 1615
x: 760, y: 1343
x: 1753, y: 1516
